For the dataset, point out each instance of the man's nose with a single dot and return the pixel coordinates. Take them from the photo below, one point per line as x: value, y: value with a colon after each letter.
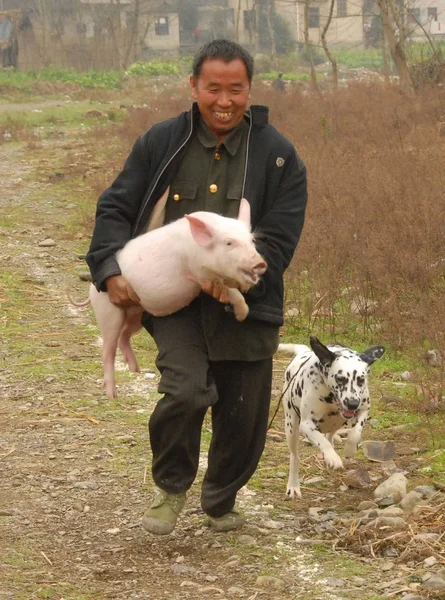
x: 224, y: 99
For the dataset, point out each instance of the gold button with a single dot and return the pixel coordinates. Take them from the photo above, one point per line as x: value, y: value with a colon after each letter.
x: 176, y: 198
x: 213, y: 188
x: 217, y: 156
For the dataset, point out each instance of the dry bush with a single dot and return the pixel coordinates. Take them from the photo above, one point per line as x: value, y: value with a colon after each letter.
x: 375, y: 226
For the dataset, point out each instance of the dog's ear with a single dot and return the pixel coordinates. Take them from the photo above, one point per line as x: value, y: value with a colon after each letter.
x: 322, y: 352
x: 372, y: 354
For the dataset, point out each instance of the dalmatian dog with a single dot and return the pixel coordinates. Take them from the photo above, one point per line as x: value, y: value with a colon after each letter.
x: 325, y: 388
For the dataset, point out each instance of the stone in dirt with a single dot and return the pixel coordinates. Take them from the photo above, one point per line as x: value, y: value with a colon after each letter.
x: 394, y: 486
x: 357, y: 478
x: 48, y: 243
x: 379, y: 451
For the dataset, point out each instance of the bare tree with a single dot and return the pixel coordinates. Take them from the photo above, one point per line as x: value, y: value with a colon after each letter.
x: 325, y: 46
x: 237, y: 22
x: 308, y: 46
x: 133, y: 40
x: 270, y: 31
x: 387, y: 12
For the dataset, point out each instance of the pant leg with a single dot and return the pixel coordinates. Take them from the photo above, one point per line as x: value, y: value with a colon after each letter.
x: 188, y: 388
x: 239, y: 421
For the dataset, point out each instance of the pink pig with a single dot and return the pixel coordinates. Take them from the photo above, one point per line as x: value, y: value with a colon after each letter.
x: 167, y: 268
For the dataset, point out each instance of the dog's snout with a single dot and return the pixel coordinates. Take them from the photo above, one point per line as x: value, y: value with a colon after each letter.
x: 352, y: 403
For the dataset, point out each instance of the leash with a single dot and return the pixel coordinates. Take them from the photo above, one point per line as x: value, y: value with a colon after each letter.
x: 284, y: 391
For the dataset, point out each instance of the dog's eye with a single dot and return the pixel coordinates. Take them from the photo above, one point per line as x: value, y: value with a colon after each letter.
x: 360, y: 381
x: 341, y: 380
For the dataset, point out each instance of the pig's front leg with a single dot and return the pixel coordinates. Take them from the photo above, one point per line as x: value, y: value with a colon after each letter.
x: 227, y: 295
x: 239, y: 303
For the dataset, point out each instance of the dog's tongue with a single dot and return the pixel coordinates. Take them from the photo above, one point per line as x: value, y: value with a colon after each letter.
x: 348, y: 413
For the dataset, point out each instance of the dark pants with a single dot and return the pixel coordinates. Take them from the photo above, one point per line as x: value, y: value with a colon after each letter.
x: 237, y: 391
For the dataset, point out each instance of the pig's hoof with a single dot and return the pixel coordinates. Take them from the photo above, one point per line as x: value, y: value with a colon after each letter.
x: 241, y: 313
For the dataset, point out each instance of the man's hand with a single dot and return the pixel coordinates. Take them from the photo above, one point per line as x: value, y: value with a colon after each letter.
x: 120, y: 292
x: 217, y: 289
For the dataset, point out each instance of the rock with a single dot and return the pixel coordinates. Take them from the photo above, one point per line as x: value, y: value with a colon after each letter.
x: 430, y: 561
x: 85, y: 276
x: 393, y: 522
x: 268, y: 581
x: 94, y: 114
x: 427, y: 537
x: 379, y: 451
x: 392, y: 399
x: 357, y: 478
x: 48, y: 243
x: 366, y: 505
x: 247, y: 540
x: 392, y: 511
x: 411, y: 597
x: 405, y: 375
x: 434, y: 583
x: 334, y: 582
x: 427, y: 491
x: 314, y: 480
x: 394, y: 486
x: 410, y: 500
x: 387, y: 501
x: 389, y: 467
x: 388, y: 566
x: 434, y: 358
x: 234, y: 590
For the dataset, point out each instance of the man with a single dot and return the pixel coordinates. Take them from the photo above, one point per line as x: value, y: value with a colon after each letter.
x: 208, y: 159
x: 278, y: 84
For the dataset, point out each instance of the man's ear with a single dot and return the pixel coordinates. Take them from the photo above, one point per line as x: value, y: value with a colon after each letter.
x: 193, y: 87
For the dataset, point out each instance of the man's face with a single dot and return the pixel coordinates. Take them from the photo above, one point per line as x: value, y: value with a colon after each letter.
x: 222, y: 92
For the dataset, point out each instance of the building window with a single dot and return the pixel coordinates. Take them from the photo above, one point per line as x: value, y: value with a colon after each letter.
x: 161, y: 26
x: 314, y: 17
x: 249, y: 20
x: 432, y: 13
x: 342, y: 8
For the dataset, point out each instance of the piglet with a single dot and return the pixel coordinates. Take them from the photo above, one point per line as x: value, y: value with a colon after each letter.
x: 167, y: 268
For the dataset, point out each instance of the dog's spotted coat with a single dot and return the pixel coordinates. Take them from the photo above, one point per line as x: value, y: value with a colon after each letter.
x: 325, y: 389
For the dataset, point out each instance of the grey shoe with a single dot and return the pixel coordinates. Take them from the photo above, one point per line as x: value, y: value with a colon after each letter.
x: 163, y: 513
x: 228, y: 522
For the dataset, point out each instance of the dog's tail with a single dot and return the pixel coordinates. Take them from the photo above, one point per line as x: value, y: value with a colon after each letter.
x: 293, y: 348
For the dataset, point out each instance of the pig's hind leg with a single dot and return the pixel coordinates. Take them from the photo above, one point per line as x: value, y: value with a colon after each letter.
x: 110, y: 319
x: 132, y: 325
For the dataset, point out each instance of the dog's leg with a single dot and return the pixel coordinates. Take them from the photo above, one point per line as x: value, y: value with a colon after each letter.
x: 293, y: 441
x: 355, y: 434
x: 332, y: 459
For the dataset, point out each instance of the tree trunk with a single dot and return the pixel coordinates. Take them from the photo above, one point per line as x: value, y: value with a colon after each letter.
x: 270, y: 32
x: 133, y: 41
x: 395, y: 47
x: 238, y: 19
x: 326, y: 49
x: 309, y: 46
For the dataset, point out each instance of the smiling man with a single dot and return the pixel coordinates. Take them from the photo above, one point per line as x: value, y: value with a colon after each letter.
x: 208, y: 158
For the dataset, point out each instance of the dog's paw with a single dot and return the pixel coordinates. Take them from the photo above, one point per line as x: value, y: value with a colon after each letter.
x: 350, y: 450
x: 333, y: 461
x: 293, y: 492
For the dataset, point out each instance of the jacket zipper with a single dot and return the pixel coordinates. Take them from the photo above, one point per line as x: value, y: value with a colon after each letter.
x: 141, y: 211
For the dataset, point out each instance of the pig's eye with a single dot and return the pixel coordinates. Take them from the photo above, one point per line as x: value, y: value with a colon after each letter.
x: 229, y: 242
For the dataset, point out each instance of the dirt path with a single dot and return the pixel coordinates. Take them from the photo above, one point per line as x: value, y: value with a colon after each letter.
x: 75, y: 467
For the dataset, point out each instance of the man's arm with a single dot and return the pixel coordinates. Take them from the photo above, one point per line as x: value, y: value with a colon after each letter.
x: 117, y: 210
x: 278, y: 232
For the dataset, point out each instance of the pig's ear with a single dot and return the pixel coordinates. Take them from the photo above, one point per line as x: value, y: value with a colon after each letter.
x: 200, y: 231
x: 244, y: 212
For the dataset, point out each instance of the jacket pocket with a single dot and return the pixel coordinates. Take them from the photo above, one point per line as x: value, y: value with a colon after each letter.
x: 181, y: 200
x: 233, y: 201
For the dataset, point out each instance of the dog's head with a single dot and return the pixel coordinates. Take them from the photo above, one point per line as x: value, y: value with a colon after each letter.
x: 345, y: 372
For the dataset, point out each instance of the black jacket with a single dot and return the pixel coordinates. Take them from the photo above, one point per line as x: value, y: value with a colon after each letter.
x: 274, y: 185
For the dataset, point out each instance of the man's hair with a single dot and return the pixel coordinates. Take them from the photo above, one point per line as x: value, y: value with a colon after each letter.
x: 224, y: 50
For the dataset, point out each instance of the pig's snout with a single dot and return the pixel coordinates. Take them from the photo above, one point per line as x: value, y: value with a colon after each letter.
x: 260, y: 268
